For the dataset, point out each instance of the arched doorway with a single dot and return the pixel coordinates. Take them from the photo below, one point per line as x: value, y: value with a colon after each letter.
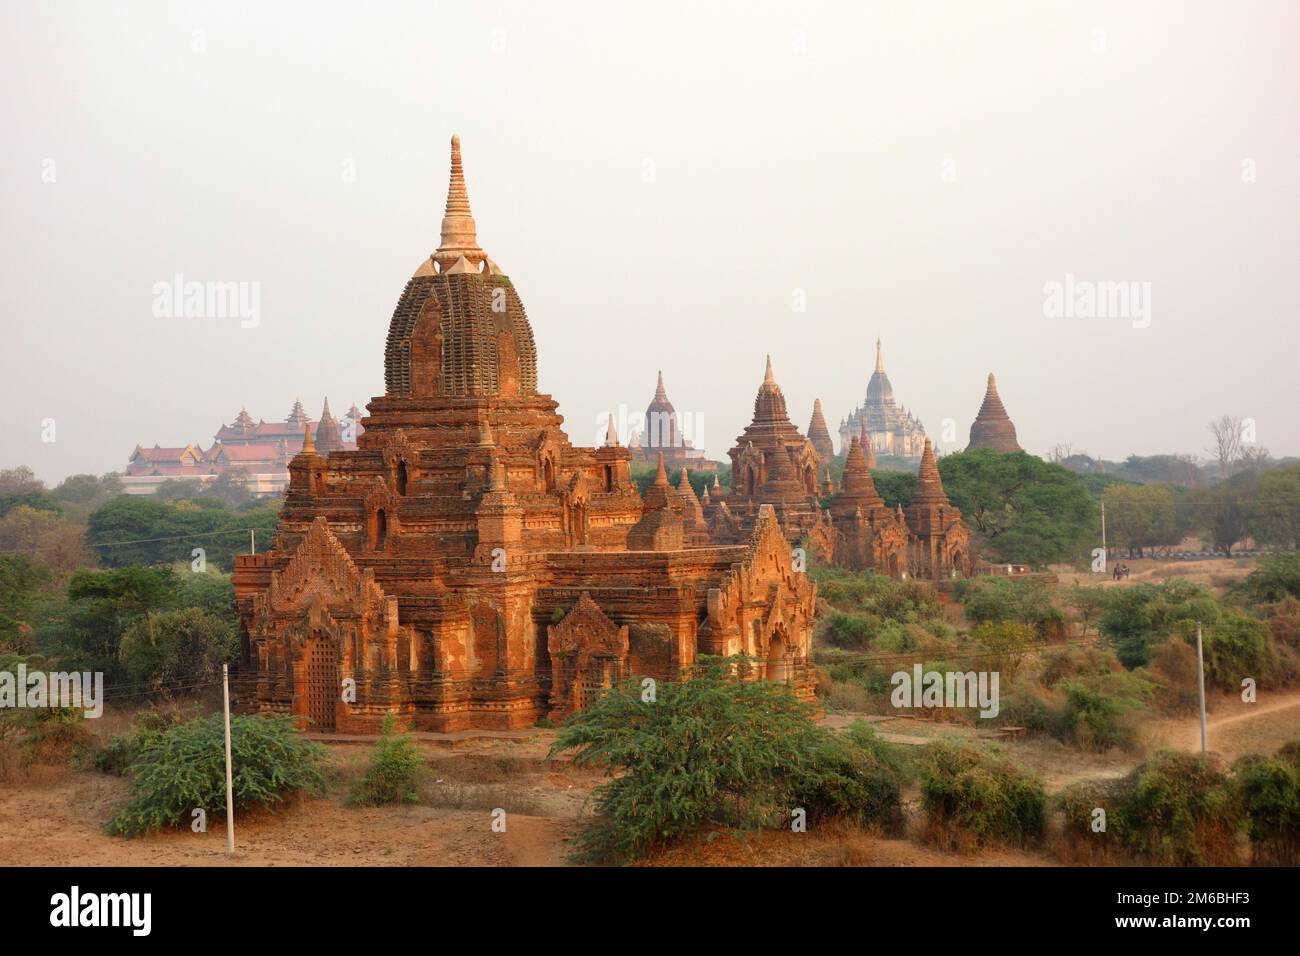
x: 401, y: 477
x: 381, y: 529
x: 751, y: 480
x: 778, y: 658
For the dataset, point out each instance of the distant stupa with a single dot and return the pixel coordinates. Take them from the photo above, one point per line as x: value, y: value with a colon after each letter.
x: 819, y: 434
x: 992, y: 427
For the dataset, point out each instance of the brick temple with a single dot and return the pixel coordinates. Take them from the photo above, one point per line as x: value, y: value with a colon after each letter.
x: 466, y: 566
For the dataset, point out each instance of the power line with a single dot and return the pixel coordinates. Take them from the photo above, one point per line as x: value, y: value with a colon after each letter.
x: 172, y: 537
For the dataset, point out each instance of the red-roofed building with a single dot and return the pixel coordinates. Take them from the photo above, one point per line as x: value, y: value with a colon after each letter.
x: 260, y: 449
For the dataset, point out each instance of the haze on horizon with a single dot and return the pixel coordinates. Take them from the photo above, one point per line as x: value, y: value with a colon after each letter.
x: 664, y: 185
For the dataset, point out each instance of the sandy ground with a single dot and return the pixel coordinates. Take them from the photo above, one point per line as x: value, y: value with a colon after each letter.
x: 56, y: 817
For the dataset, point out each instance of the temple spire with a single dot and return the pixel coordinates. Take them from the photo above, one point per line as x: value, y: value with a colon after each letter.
x: 660, y: 394
x: 880, y: 361
x: 459, y: 232
x: 308, y: 443
x: 611, y: 433
x: 661, y: 476
x: 768, y: 377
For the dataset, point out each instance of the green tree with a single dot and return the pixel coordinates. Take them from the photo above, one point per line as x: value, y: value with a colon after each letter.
x: 1275, y: 509
x: 101, y: 606
x: 87, y: 489
x: 21, y: 580
x: 896, y: 487
x: 1022, y: 508
x: 177, y: 651
x: 1222, y: 514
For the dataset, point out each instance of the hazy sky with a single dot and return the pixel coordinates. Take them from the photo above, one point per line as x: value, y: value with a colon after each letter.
x: 665, y: 184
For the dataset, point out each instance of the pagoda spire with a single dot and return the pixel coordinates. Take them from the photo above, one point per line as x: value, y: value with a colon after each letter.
x: 660, y: 394
x: 929, y: 485
x: 768, y: 377
x: 880, y: 361
x: 661, y: 476
x: 611, y: 433
x: 459, y: 231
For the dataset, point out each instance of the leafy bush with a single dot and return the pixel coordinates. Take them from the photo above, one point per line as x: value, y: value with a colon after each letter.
x: 395, y: 771
x: 1269, y: 791
x: 184, y: 768
x: 712, y: 750
x: 1004, y: 645
x: 1025, y: 706
x: 1177, y: 809
x: 1071, y: 662
x: 1140, y: 616
x: 1078, y: 804
x: 847, y: 779
x: 1237, y: 646
x: 999, y: 600
x: 52, y: 736
x: 1173, y: 669
x: 907, y: 602
x: 1095, y: 721
x: 116, y: 756
x: 1274, y: 578
x: 975, y: 796
x: 851, y: 631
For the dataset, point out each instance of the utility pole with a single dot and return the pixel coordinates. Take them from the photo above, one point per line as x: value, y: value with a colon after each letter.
x: 230, y: 790
x: 1200, y: 680
x: 1103, y: 532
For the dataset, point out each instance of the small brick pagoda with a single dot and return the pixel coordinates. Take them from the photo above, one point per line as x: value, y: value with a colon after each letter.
x: 466, y: 566
x: 927, y: 540
x: 772, y: 464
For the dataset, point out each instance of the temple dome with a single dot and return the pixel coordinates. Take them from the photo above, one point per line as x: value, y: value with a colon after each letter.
x: 459, y: 328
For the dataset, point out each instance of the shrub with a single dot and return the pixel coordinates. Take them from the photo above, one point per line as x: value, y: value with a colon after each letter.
x: 117, y: 755
x: 1269, y: 791
x: 1237, y: 646
x: 1137, y: 617
x: 395, y: 771
x: 1177, y: 809
x: 1071, y: 662
x: 51, y: 736
x: 713, y: 749
x: 1078, y: 804
x: 1094, y: 720
x: 999, y: 600
x: 1028, y: 708
x: 851, y: 631
x: 184, y: 768
x: 1274, y: 578
x: 1004, y: 645
x: 1284, y: 622
x: 846, y: 779
x: 1173, y: 669
x: 974, y: 796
